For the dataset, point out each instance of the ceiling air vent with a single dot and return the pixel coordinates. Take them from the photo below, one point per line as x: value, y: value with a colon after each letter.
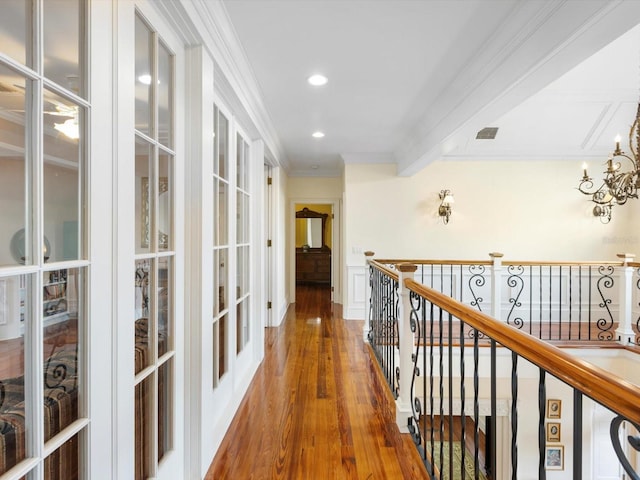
x: 488, y: 133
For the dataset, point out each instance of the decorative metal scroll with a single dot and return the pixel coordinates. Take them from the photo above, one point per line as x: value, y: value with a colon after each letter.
x: 634, y: 441
x: 417, y: 304
x: 476, y: 280
x: 515, y: 280
x: 57, y: 368
x: 605, y: 326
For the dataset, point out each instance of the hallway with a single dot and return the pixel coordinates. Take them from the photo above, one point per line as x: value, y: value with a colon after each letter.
x: 317, y: 408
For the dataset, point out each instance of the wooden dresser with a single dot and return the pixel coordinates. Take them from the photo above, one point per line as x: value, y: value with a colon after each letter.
x: 313, y: 265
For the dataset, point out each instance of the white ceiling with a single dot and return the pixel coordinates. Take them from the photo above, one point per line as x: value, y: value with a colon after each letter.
x: 412, y: 81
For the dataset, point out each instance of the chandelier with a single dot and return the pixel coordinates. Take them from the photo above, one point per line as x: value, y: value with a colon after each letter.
x: 618, y: 185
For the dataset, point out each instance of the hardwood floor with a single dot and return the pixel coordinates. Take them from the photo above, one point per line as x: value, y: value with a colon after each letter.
x: 318, y: 407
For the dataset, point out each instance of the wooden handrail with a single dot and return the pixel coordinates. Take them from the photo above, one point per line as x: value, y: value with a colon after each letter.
x: 602, y: 386
x: 526, y: 263
x: 385, y: 270
x: 436, y: 262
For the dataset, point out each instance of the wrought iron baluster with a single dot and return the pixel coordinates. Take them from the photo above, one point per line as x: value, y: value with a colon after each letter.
x: 514, y: 416
x: 577, y: 434
x: 450, y: 389
x: 515, y: 280
x: 441, y: 384
x: 476, y: 406
x: 605, y: 326
x: 477, y: 279
x: 463, y: 416
x: 431, y: 382
x: 542, y: 398
x: 634, y: 442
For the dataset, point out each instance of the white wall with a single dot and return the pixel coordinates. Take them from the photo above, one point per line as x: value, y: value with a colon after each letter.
x: 526, y: 210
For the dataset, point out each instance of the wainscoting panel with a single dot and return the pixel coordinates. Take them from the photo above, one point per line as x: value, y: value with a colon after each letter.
x: 354, y: 308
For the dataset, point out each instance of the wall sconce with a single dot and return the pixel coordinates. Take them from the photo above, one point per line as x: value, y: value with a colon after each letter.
x: 446, y: 200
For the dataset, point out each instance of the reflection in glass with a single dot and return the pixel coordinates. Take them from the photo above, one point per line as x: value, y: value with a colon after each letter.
x: 165, y: 295
x: 63, y: 327
x: 143, y: 196
x: 62, y: 52
x: 13, y: 177
x: 221, y: 232
x: 143, y: 418
x: 165, y: 436
x: 221, y: 127
x: 219, y: 346
x: 240, y: 165
x: 165, y: 204
x: 143, y: 275
x: 64, y: 462
x: 15, y: 295
x: 14, y: 28
x: 165, y: 91
x: 63, y: 192
x: 222, y: 278
x: 143, y: 79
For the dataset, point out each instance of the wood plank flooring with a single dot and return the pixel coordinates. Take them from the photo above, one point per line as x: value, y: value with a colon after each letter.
x: 318, y: 407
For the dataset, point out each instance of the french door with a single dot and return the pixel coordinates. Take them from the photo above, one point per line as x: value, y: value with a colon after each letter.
x: 44, y: 261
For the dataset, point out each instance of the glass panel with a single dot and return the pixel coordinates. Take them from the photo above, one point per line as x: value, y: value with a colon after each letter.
x: 216, y: 299
x: 143, y: 196
x: 222, y: 279
x: 62, y: 348
x: 165, y: 310
x: 142, y: 312
x: 239, y: 161
x: 222, y: 346
x: 165, y: 203
x: 245, y: 167
x: 143, y: 419
x: 62, y: 43
x: 165, y: 436
x: 222, y: 222
x: 239, y: 272
x: 165, y: 94
x: 63, y: 159
x: 240, y: 215
x: 245, y: 321
x: 13, y: 180
x: 64, y: 463
x: 15, y: 293
x: 14, y: 28
x: 143, y: 78
x: 222, y: 134
x: 239, y: 313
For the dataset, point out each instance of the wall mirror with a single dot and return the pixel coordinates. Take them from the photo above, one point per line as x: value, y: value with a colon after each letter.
x: 310, y: 229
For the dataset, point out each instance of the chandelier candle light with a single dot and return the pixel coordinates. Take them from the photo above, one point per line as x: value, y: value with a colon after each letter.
x: 618, y: 186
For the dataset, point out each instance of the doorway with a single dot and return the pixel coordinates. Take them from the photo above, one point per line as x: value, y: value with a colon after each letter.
x: 314, y: 244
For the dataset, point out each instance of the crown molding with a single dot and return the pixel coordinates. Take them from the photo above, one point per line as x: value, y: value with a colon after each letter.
x: 221, y: 41
x: 539, y: 41
x: 349, y: 158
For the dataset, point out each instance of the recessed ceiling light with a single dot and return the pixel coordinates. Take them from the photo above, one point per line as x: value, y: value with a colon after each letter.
x: 317, y: 80
x: 314, y: 167
x: 317, y: 134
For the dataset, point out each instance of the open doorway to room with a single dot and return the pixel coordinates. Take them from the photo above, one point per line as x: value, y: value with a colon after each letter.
x: 314, y: 251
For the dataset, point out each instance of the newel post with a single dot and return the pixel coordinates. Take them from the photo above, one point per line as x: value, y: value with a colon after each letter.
x: 368, y: 255
x: 405, y: 347
x: 625, y: 330
x: 496, y: 285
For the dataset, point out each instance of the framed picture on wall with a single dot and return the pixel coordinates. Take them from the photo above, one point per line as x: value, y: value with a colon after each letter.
x: 554, y: 458
x: 553, y: 432
x: 554, y: 408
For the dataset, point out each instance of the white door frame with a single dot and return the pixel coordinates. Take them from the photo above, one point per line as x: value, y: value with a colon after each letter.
x: 336, y: 246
